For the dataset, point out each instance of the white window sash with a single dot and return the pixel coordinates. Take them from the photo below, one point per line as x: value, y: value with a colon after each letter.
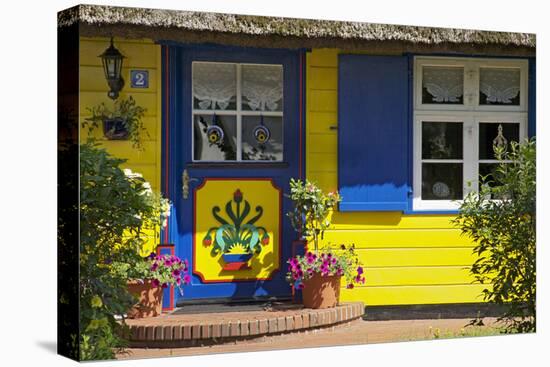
x: 238, y: 113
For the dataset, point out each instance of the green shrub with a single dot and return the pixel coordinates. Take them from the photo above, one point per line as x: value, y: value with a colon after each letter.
x: 115, y: 208
x: 502, y: 221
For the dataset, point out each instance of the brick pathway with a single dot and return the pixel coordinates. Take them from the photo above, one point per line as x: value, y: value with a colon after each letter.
x: 356, y: 332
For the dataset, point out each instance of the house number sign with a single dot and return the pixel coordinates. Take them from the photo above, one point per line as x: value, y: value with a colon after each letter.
x: 139, y: 78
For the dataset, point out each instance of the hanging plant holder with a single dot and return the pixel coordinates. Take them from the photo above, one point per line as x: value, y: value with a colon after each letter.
x: 115, y: 129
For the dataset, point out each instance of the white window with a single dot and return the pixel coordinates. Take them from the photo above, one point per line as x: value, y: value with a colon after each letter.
x: 237, y: 112
x: 462, y: 107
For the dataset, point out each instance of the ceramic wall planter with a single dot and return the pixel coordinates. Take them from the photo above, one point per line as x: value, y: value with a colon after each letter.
x: 115, y: 129
x: 321, y: 291
x: 150, y: 299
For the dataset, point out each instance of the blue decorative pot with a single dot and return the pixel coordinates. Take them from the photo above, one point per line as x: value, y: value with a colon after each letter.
x: 236, y: 258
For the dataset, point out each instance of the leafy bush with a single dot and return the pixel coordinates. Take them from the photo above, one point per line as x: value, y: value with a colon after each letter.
x: 502, y: 221
x: 115, y: 209
x: 312, y: 209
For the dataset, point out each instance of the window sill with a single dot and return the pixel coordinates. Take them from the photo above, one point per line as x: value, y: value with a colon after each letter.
x: 431, y: 211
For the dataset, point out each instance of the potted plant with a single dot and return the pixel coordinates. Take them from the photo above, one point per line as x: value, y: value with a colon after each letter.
x: 122, y: 122
x: 151, y: 276
x: 318, y: 274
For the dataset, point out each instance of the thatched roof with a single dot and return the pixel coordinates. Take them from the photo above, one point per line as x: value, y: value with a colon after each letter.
x: 260, y: 31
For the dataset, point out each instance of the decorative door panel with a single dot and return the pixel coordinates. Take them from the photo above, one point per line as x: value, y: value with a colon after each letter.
x: 237, y: 231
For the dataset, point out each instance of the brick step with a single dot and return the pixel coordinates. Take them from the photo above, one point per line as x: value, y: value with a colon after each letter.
x: 176, y: 330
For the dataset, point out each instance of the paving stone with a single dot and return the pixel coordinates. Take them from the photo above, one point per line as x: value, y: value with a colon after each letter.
x: 289, y: 323
x: 245, y: 331
x: 216, y: 330
x: 313, y: 319
x: 235, y: 328
x: 178, y: 332
x: 225, y: 330
x: 272, y: 326
x: 168, y: 332
x: 206, y: 331
x: 281, y: 324
x: 150, y: 333
x: 254, y: 326
x: 305, y: 320
x: 187, y: 332
x: 298, y: 323
x: 264, y: 326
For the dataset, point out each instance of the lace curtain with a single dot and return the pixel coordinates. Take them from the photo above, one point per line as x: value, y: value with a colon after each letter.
x: 499, y: 85
x: 262, y: 87
x: 214, y: 85
x: 443, y: 84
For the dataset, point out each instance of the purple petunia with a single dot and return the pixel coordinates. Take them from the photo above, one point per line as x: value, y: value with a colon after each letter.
x: 156, y: 283
x: 187, y: 279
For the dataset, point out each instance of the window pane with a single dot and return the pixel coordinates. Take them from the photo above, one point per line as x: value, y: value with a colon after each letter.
x: 262, y: 87
x: 262, y: 138
x: 442, y: 181
x: 496, y: 134
x: 498, y: 86
x: 215, y: 138
x: 442, y: 85
x: 441, y: 140
x: 214, y: 86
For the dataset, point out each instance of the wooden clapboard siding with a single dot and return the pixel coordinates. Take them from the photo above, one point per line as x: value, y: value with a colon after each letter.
x: 409, y: 259
x: 142, y: 55
x: 139, y: 54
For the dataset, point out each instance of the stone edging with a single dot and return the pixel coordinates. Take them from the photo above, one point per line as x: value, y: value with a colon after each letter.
x: 190, y: 334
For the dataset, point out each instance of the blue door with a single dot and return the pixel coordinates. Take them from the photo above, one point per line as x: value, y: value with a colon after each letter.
x: 231, y: 141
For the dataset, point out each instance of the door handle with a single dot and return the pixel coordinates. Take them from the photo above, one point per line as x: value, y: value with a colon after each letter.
x: 185, y: 179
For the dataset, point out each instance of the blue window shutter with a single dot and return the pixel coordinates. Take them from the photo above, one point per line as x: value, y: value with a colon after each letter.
x: 373, y: 146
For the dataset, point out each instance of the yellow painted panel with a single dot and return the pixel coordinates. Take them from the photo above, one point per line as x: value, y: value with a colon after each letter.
x: 123, y: 149
x: 323, y: 78
x: 323, y: 57
x: 389, y: 220
x: 322, y: 162
x: 240, y: 227
x: 418, y: 276
x: 327, y: 181
x: 95, y: 80
x: 398, y: 238
x: 137, y: 54
x: 323, y: 143
x: 398, y: 257
x: 322, y: 100
x: 410, y: 295
x: 145, y: 100
x: 321, y: 122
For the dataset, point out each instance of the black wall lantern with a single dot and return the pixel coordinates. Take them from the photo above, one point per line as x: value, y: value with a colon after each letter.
x: 112, y: 66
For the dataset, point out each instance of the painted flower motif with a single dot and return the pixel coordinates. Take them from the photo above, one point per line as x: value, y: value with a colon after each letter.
x: 238, y: 196
x: 207, y: 241
x: 265, y: 239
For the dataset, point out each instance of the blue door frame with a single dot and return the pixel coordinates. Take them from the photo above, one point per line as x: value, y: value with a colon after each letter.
x: 177, y: 156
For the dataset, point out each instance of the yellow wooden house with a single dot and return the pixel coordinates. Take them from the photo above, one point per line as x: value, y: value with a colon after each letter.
x: 399, y: 119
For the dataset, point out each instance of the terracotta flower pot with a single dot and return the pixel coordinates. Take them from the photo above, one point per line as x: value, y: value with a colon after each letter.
x: 150, y: 299
x: 321, y: 291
